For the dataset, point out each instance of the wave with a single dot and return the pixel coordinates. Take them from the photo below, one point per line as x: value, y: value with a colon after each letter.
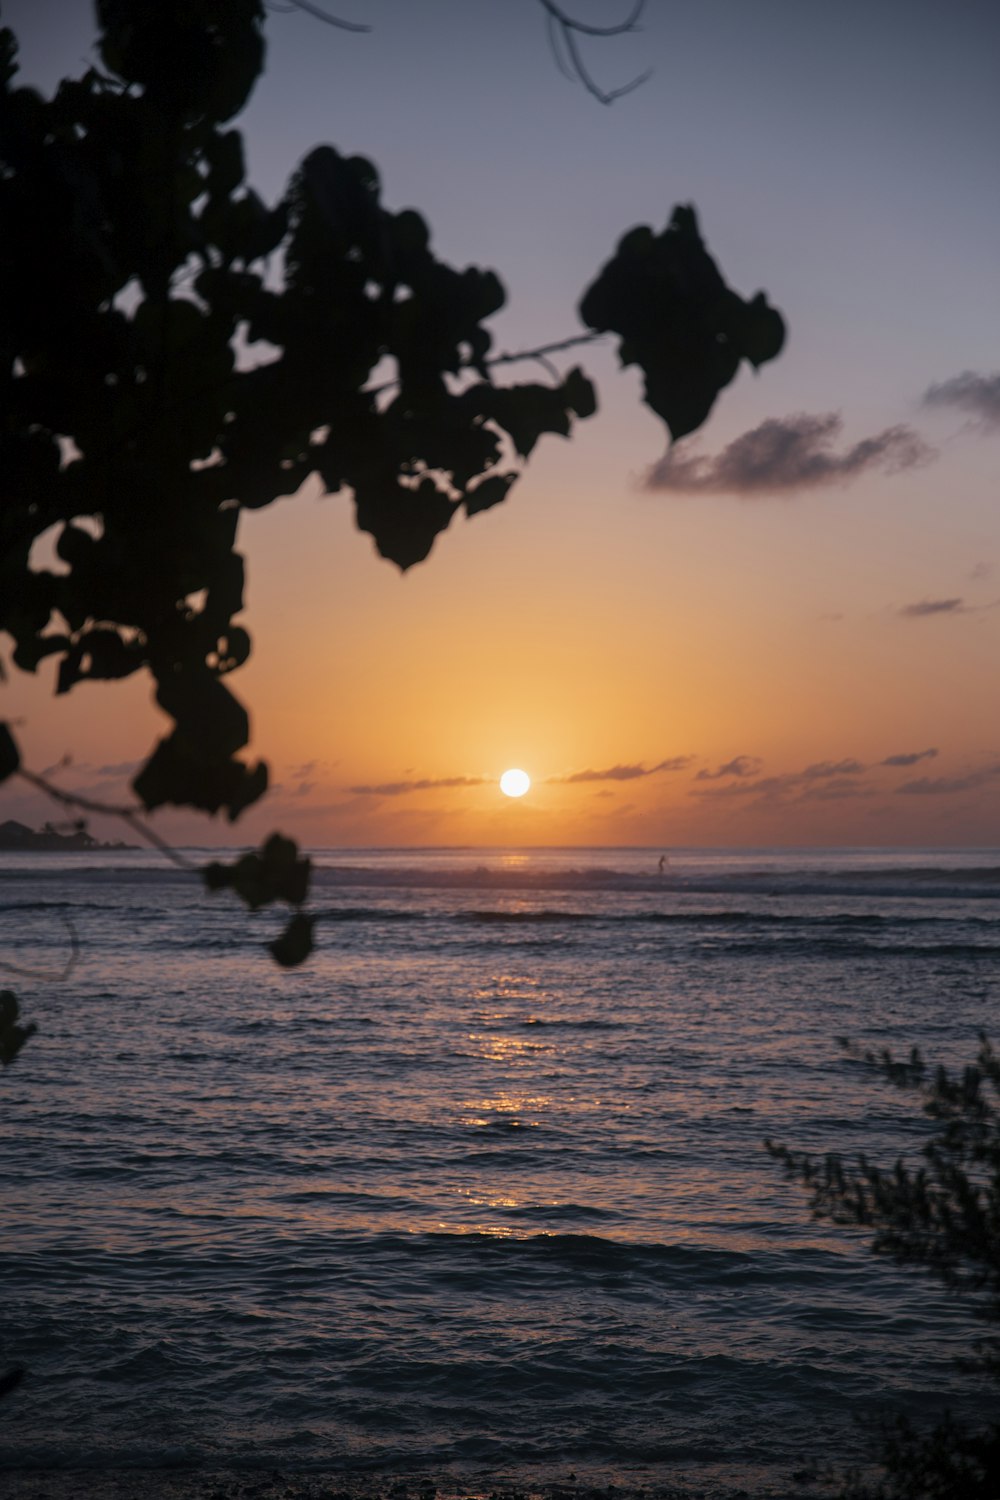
x: 824, y: 873
x: 907, y: 882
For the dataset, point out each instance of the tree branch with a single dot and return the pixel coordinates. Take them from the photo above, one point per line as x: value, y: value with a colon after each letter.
x: 541, y: 354
x: 128, y: 814
x: 321, y: 15
x: 572, y: 24
x: 544, y: 350
x: 51, y: 976
x: 569, y: 28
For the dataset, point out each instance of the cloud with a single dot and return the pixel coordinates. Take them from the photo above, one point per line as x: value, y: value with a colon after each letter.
x: 425, y: 784
x: 623, y: 773
x: 908, y: 759
x: 944, y: 786
x: 741, y: 765
x: 979, y: 395
x: 836, y: 790
x: 925, y: 607
x: 785, y: 454
x: 823, y: 781
x: 826, y: 768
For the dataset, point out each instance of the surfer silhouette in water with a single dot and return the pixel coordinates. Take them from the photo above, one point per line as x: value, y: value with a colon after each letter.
x: 663, y: 863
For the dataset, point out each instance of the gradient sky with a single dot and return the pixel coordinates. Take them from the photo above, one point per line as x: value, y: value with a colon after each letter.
x: 788, y: 632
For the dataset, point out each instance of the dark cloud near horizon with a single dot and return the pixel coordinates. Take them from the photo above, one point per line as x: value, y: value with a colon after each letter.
x: 740, y: 765
x: 424, y: 784
x: 910, y: 758
x: 792, y: 787
x: 822, y: 781
x: 822, y: 770
x: 784, y: 454
x: 946, y: 786
x: 623, y: 772
x: 925, y: 607
x: 979, y: 395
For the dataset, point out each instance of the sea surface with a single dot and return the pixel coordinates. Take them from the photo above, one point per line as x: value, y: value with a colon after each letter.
x: 480, y: 1191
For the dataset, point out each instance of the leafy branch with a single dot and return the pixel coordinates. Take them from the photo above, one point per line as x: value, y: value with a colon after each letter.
x: 136, y: 268
x: 942, y: 1215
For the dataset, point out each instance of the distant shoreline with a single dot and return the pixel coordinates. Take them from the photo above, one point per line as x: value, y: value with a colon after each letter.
x: 18, y: 838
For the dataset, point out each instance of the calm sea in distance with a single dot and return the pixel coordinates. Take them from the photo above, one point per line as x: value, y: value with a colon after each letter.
x: 480, y: 1191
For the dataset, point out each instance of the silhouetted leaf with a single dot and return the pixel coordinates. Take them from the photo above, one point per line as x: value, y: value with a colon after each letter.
x: 296, y: 942
x: 29, y: 652
x: 678, y: 320
x: 275, y: 873
x: 175, y: 775
x: 195, y: 61
x: 211, y: 721
x: 762, y: 336
x: 10, y: 757
x: 579, y: 393
x: 403, y: 521
x: 489, y: 491
x: 12, y: 1034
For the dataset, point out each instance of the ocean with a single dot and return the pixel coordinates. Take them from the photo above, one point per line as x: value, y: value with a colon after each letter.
x: 478, y: 1193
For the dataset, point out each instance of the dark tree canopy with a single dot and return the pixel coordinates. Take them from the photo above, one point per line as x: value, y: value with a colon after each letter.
x: 173, y: 350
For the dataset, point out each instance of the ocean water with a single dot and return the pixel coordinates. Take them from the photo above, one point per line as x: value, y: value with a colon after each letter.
x: 480, y: 1191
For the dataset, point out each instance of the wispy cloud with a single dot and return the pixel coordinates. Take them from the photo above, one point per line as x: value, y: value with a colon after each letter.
x: 785, y: 454
x: 924, y: 607
x: 740, y: 765
x: 424, y: 784
x: 623, y: 772
x: 823, y: 769
x: 946, y: 786
x: 979, y: 395
x: 908, y: 758
x: 794, y: 786
x: 823, y: 781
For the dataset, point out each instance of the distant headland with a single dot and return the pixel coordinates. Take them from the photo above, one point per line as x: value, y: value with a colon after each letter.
x: 46, y: 840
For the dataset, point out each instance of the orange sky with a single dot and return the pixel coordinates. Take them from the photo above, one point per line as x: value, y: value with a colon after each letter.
x: 781, y: 644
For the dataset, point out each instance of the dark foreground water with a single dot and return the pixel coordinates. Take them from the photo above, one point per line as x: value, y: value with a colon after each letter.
x: 480, y: 1191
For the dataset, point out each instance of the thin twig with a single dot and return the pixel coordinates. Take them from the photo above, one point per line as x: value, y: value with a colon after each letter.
x: 322, y: 15
x: 51, y: 976
x: 572, y: 24
x: 553, y: 37
x: 604, y: 96
x: 544, y: 350
x: 540, y: 354
x: 127, y: 814
x: 562, y: 25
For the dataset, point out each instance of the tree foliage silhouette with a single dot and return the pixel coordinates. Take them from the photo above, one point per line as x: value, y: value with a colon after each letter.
x: 173, y: 351
x: 942, y: 1215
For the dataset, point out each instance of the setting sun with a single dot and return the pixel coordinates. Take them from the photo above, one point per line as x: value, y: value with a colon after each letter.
x: 514, y: 783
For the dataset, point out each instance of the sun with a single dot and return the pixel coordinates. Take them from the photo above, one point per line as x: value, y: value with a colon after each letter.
x: 514, y: 783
